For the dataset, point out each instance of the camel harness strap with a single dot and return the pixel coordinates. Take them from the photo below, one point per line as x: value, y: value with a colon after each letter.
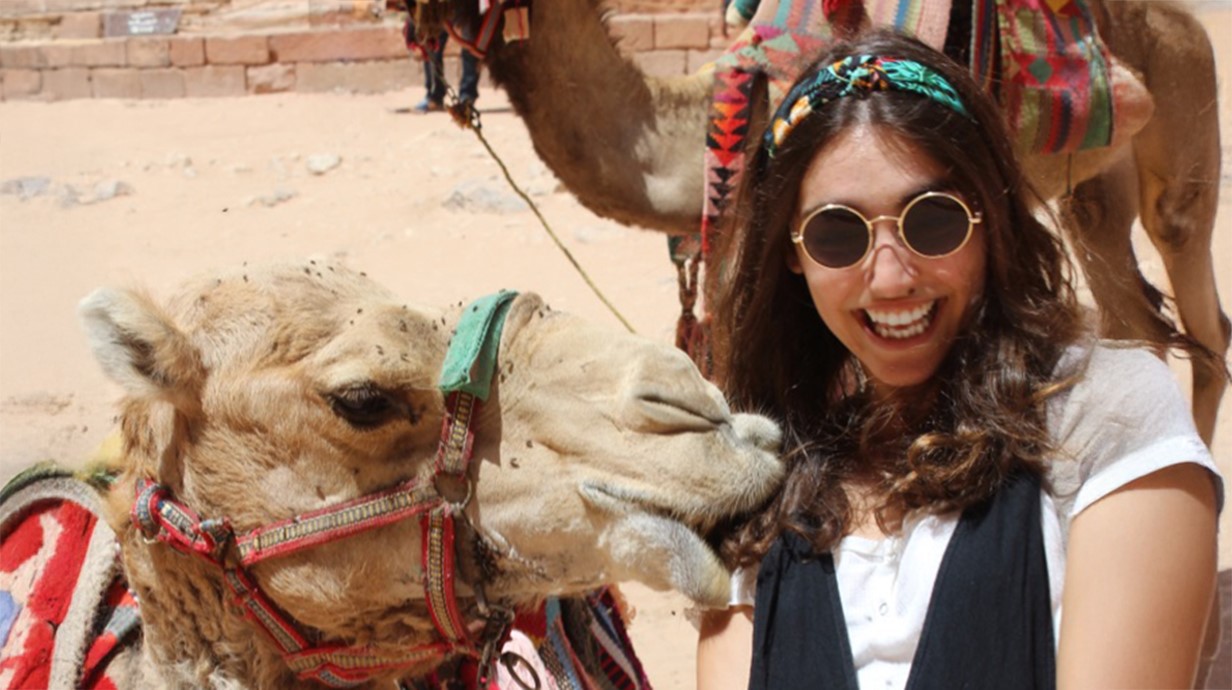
x: 465, y: 380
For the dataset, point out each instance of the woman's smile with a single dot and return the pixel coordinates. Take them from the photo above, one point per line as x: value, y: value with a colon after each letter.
x: 900, y: 323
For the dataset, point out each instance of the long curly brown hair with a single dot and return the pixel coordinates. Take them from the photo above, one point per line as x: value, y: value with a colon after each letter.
x: 941, y: 446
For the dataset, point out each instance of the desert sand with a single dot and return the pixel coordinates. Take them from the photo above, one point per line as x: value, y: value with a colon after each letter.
x: 152, y: 192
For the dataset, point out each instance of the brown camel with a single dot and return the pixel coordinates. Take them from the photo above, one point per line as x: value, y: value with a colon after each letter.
x: 630, y: 148
x: 262, y: 394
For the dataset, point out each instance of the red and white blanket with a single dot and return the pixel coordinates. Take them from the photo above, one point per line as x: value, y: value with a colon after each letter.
x: 65, y: 612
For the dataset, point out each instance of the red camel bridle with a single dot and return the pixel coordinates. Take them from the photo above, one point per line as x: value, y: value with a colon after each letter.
x: 465, y: 379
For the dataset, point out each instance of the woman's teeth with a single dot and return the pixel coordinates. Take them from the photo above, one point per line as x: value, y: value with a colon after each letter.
x: 901, y: 324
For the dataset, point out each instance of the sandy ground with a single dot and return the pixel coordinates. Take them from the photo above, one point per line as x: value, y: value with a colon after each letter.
x: 211, y: 183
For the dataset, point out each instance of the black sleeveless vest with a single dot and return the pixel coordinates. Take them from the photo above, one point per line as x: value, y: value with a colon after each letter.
x: 988, y: 625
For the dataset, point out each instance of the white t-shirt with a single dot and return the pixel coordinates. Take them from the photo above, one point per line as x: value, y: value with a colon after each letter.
x: 1123, y: 420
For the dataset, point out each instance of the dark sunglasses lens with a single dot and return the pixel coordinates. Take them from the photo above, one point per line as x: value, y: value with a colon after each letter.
x: 936, y: 226
x: 835, y: 237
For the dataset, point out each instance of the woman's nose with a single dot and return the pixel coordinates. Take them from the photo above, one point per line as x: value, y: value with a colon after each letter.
x: 891, y: 269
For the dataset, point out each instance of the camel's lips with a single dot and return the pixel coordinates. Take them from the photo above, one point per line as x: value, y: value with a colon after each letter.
x: 619, y: 499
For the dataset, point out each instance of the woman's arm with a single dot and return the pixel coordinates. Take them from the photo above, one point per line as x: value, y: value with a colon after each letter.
x: 1139, y: 579
x: 725, y: 649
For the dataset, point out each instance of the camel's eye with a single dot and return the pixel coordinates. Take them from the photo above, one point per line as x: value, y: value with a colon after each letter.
x: 364, y: 405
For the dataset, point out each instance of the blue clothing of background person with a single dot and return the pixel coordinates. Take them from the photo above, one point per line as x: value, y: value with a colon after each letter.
x: 434, y: 85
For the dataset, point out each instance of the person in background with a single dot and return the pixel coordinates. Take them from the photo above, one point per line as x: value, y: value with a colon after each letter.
x: 433, y: 66
x: 434, y: 84
x: 979, y: 492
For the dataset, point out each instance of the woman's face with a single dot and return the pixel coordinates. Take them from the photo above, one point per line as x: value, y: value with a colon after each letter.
x: 895, y: 311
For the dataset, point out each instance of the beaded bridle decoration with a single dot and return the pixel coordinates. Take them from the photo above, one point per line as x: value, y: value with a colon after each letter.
x: 465, y: 380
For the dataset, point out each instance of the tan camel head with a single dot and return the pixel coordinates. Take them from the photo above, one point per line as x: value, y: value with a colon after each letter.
x: 265, y: 393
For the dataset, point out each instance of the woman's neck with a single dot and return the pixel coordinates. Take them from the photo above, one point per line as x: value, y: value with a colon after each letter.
x: 867, y: 500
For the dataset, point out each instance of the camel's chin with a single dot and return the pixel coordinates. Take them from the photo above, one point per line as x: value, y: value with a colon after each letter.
x: 697, y: 570
x: 658, y: 551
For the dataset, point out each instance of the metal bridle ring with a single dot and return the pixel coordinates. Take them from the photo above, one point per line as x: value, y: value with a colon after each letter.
x: 458, y: 507
x: 466, y: 500
x: 510, y: 660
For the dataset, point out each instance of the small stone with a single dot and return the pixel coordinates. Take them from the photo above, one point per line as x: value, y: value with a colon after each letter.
x: 110, y: 189
x: 483, y: 196
x: 26, y: 187
x: 178, y: 160
x: 280, y: 195
x: 67, y: 196
x: 321, y: 163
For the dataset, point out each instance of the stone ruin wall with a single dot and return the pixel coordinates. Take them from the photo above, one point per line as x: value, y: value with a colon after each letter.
x: 60, y: 49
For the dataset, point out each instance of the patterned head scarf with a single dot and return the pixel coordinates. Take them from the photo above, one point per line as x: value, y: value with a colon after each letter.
x: 858, y: 74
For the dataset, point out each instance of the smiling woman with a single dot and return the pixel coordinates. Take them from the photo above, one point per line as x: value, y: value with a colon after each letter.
x: 964, y: 460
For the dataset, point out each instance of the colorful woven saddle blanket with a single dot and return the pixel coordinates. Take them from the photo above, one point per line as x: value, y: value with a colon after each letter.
x: 68, y: 619
x: 1042, y: 59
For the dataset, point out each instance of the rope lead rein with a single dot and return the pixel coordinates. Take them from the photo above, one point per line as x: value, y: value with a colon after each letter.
x: 465, y: 115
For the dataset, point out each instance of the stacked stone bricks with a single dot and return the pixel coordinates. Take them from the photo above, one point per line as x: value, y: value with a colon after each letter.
x: 56, y: 49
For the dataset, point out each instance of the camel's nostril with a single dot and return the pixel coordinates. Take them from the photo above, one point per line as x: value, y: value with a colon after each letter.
x: 760, y: 431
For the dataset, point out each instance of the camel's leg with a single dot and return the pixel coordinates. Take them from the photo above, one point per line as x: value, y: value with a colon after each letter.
x: 1099, y: 214
x: 1177, y: 156
x: 1101, y: 210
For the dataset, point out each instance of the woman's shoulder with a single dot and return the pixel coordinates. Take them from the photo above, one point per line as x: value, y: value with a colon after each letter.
x: 1116, y: 388
x: 1097, y: 360
x: 1113, y: 381
x: 1123, y: 417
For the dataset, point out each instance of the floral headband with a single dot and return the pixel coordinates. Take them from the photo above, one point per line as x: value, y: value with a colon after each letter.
x: 861, y: 74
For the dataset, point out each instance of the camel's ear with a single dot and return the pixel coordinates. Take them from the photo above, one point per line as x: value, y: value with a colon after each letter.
x: 140, y: 348
x: 526, y: 307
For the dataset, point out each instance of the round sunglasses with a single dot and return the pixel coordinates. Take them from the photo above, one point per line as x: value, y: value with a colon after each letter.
x: 932, y: 225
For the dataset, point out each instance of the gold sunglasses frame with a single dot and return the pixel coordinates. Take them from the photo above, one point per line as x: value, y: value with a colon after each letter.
x: 973, y: 218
